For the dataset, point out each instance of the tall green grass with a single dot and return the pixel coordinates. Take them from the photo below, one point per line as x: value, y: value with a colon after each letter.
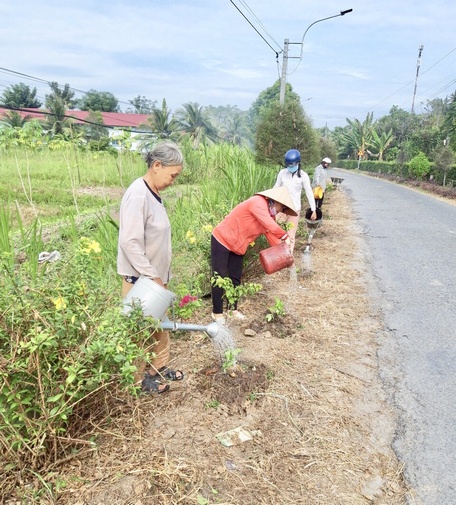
x: 228, y: 175
x: 49, y: 183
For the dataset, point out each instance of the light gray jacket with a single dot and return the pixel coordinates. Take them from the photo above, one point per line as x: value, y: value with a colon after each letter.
x: 319, y: 178
x: 144, y: 235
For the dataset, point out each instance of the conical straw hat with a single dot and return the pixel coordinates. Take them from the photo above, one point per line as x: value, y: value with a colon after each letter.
x: 281, y: 195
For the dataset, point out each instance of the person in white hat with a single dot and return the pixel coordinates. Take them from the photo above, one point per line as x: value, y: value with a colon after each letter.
x: 295, y: 179
x: 319, y: 181
x: 242, y: 226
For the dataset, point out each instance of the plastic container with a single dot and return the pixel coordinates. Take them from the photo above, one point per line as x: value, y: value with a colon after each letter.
x: 154, y: 299
x: 276, y: 258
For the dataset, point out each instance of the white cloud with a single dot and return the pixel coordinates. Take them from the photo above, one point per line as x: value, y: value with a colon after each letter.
x: 206, y: 51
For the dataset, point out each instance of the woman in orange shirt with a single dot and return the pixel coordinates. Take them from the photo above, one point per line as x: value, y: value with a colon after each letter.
x: 242, y: 226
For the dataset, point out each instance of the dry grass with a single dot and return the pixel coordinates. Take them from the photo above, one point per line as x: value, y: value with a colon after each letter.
x: 325, y: 428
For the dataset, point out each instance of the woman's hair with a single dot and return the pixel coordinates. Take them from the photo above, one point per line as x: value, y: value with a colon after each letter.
x: 167, y: 153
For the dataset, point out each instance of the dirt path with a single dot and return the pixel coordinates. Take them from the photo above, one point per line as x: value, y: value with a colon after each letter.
x: 306, y: 389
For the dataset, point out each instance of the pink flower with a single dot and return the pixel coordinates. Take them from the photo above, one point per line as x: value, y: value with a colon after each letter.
x: 186, y: 300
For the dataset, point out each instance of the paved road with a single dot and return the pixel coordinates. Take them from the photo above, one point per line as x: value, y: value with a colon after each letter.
x: 410, y: 240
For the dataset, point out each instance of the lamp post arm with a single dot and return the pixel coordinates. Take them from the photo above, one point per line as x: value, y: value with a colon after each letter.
x: 342, y: 13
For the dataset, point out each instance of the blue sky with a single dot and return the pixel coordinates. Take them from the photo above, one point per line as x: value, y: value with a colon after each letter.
x: 204, y: 51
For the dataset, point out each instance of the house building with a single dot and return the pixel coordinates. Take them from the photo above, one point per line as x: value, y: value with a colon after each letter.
x: 115, y: 122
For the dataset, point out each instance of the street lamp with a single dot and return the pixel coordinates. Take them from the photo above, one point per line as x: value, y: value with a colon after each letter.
x: 283, y: 80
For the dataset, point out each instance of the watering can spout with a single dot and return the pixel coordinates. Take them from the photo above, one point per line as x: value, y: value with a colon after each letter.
x: 211, y: 329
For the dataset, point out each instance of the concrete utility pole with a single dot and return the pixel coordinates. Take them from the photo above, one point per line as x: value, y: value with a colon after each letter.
x: 283, y: 80
x: 418, y: 63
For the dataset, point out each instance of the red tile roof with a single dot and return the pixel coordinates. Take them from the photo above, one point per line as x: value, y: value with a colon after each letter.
x: 110, y: 119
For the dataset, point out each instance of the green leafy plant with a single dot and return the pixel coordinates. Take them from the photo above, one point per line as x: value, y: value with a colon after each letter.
x: 270, y: 375
x: 419, y: 165
x: 214, y: 404
x: 276, y: 311
x: 234, y: 293
x: 252, y: 397
x: 230, y: 359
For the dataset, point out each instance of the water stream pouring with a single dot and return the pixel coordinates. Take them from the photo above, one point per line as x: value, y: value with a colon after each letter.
x: 312, y: 226
x: 155, y: 302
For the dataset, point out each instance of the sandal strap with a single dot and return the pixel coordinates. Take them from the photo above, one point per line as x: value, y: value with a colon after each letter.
x: 170, y: 374
x: 152, y: 383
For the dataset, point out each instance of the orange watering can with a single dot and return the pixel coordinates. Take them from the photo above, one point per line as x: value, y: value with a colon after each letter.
x: 276, y: 258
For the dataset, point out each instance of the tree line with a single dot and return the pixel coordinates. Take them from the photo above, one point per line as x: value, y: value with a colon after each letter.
x: 267, y: 127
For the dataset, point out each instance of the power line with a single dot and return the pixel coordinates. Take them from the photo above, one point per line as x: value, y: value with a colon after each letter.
x: 244, y: 3
x: 248, y: 21
x: 43, y: 81
x: 410, y: 82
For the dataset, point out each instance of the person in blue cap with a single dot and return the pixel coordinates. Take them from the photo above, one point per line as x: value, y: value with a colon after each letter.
x: 295, y: 179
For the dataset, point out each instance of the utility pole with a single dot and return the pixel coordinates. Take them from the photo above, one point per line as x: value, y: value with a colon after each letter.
x: 283, y: 80
x: 418, y: 63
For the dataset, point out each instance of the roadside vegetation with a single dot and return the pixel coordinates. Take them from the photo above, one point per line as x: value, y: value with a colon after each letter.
x: 64, y: 343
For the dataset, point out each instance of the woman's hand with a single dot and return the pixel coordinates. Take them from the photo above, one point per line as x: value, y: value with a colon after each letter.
x: 158, y: 281
x: 313, y: 216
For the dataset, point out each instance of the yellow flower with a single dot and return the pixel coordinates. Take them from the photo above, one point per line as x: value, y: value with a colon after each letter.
x: 252, y: 244
x: 82, y: 289
x: 59, y: 303
x: 190, y: 237
x: 207, y: 227
x: 94, y: 246
x: 91, y: 246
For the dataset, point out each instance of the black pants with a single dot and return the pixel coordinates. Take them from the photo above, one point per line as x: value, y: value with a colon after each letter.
x: 226, y: 264
x: 319, y: 201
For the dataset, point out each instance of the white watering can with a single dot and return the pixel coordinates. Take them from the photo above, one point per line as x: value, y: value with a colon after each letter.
x: 155, y: 302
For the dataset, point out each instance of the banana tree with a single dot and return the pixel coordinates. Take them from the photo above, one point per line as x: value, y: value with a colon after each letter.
x: 380, y: 143
x: 359, y: 136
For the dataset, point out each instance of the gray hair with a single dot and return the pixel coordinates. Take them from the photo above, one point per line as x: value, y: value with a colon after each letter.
x: 167, y: 153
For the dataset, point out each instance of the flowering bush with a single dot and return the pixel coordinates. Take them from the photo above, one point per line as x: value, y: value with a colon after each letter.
x: 187, y: 305
x: 63, y: 337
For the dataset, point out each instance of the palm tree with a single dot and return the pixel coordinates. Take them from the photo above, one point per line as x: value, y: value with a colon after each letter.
x: 56, y: 116
x: 14, y: 119
x: 58, y: 102
x: 192, y: 121
x: 161, y: 125
x: 236, y: 130
x: 64, y: 95
x: 161, y: 122
x: 20, y: 96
